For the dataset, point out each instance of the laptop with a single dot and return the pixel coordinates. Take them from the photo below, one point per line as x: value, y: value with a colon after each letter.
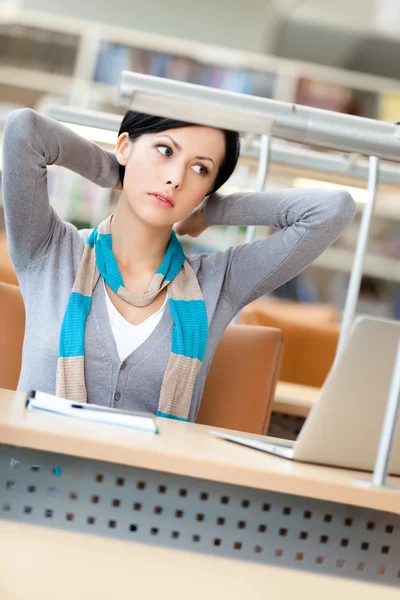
x: 344, y: 425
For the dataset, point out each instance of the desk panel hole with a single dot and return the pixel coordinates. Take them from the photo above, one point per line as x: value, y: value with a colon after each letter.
x: 179, y: 514
x: 348, y: 522
x: 158, y: 510
x: 199, y: 517
x: 320, y: 560
x: 116, y: 502
x: 112, y: 524
x: 10, y: 484
x: 241, y: 524
x: 14, y: 463
x: 154, y: 530
x: 299, y: 556
x: 69, y: 516
x: 217, y: 541
x: 340, y: 563
x: 48, y: 513
x: 196, y: 538
x: 175, y: 535
x: 162, y: 489
x: 237, y: 545
x: 307, y: 514
x: 245, y: 503
x: 370, y: 525
x: 120, y: 481
x: 287, y: 511
x: 381, y: 570
x: 266, y: 507
x: 398, y: 574
x: 283, y: 531
x: 220, y: 521
x: 225, y: 500
x: 137, y: 506
x: 183, y: 493
x: 262, y: 528
x: 303, y: 535
x: 57, y: 471
x: 53, y: 491
x: 389, y: 529
x: 344, y: 542
x: 31, y: 488
x: 77, y: 475
x: 133, y: 527
x: 324, y: 539
x: 141, y: 485
x: 7, y: 507
x: 258, y: 549
x: 279, y: 552
x: 91, y: 520
x: 204, y: 496
x: 328, y: 518
x: 385, y: 549
x: 95, y: 499
x: 73, y: 496
x: 364, y: 546
x: 99, y: 478
x: 361, y: 566
x: 27, y: 510
x: 35, y: 468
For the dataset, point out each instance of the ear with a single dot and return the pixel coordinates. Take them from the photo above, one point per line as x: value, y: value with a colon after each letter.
x: 123, y: 148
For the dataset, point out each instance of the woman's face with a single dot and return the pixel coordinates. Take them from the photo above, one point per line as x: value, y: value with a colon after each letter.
x: 179, y: 165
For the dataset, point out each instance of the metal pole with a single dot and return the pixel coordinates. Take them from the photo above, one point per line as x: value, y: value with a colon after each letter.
x: 262, y: 173
x: 389, y: 427
x: 359, y: 257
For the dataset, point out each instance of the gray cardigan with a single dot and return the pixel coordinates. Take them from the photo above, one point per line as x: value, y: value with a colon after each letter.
x: 46, y: 252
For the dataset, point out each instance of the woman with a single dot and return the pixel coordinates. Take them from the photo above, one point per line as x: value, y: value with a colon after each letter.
x: 112, y: 339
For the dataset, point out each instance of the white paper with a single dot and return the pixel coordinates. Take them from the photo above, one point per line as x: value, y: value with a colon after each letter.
x: 90, y: 412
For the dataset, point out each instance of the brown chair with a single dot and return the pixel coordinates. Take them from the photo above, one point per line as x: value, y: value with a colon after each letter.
x: 12, y: 327
x: 311, y: 336
x: 240, y: 386
x: 7, y: 273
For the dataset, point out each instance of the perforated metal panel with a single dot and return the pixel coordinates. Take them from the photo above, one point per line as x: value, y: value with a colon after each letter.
x: 157, y: 508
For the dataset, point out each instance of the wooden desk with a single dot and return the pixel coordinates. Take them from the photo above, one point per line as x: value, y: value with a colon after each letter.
x: 118, y: 510
x: 294, y: 399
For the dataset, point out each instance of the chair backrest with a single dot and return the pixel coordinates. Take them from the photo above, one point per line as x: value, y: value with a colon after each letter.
x: 12, y: 327
x: 310, y: 334
x: 7, y: 273
x: 239, y: 390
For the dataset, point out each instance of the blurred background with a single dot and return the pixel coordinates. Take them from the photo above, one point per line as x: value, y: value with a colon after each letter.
x: 338, y: 55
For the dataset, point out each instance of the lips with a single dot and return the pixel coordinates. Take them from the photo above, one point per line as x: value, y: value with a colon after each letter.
x: 163, y: 197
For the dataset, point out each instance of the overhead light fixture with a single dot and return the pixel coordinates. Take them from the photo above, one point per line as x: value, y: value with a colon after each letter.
x: 360, y: 195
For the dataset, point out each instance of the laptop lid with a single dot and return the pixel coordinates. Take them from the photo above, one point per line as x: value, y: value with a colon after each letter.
x: 344, y: 426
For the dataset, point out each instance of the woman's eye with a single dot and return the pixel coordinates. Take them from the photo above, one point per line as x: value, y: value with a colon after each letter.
x: 166, y: 150
x: 202, y: 170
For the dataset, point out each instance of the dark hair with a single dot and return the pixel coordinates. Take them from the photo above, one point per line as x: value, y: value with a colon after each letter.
x: 137, y: 124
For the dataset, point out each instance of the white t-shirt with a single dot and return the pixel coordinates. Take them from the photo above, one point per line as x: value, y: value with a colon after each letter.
x: 128, y: 337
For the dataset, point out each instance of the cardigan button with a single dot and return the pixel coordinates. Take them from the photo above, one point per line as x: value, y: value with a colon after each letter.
x: 117, y: 396
x: 123, y: 366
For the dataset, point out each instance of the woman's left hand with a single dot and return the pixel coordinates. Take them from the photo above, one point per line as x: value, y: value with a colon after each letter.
x: 194, y: 224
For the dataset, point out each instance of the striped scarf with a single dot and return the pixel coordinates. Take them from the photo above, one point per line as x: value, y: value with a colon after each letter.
x: 189, y: 335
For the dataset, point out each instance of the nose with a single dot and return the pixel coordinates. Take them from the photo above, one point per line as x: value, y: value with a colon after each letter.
x: 175, y: 178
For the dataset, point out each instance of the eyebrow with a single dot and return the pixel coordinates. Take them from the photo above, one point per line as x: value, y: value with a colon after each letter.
x: 178, y: 147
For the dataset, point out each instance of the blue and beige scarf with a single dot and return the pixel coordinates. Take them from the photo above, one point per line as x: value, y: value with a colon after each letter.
x: 189, y: 335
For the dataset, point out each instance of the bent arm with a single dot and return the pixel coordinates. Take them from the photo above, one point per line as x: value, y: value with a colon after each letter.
x: 31, y: 142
